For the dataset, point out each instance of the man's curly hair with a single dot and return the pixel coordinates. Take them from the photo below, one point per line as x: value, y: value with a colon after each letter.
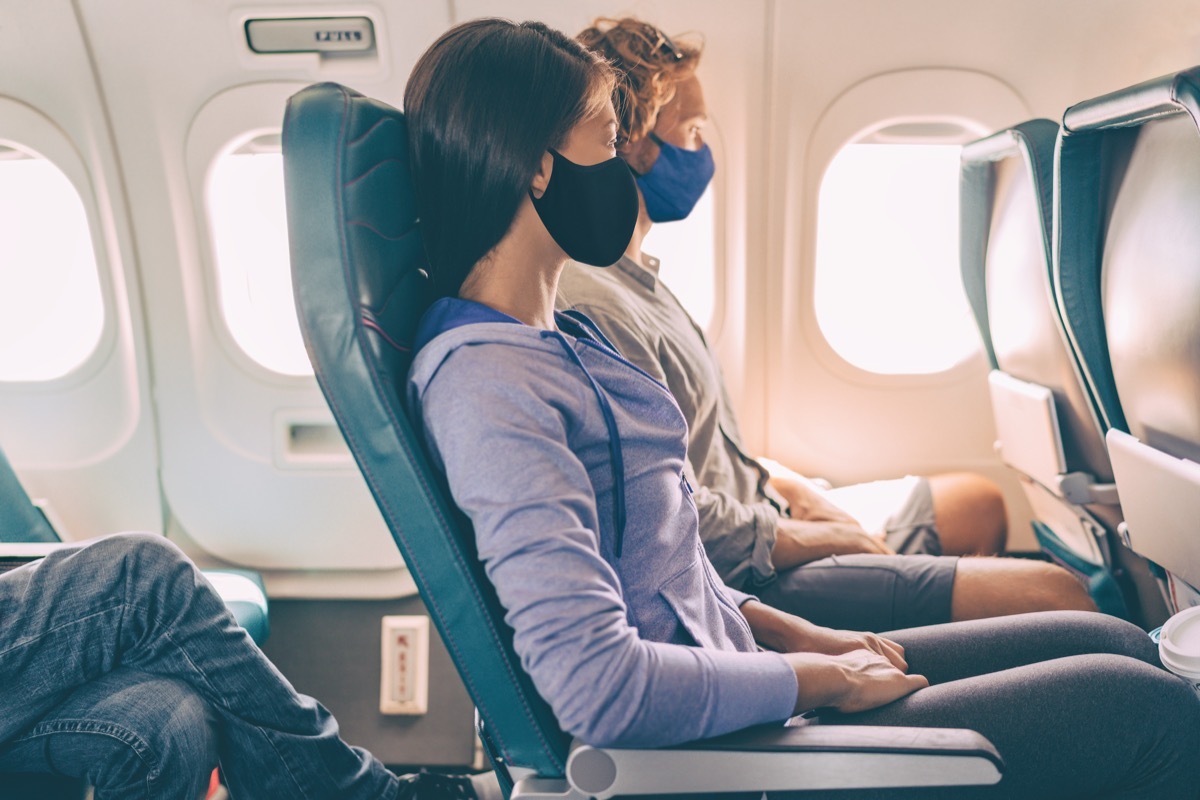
x: 649, y: 67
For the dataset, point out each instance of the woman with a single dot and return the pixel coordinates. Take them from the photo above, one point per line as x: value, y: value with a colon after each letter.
x: 569, y: 461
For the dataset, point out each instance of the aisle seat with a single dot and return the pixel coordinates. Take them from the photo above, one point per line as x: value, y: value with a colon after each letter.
x: 1047, y: 429
x: 1128, y: 279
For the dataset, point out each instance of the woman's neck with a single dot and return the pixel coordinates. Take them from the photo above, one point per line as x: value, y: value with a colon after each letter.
x: 519, y: 277
x: 634, y: 250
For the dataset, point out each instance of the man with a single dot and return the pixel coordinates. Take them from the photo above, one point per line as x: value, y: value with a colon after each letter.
x: 782, y: 537
x: 121, y: 666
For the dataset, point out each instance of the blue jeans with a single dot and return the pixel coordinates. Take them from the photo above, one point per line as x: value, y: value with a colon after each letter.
x: 129, y: 734
x: 85, y: 621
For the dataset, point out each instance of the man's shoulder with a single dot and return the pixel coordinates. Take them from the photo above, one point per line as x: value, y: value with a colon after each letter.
x: 583, y: 287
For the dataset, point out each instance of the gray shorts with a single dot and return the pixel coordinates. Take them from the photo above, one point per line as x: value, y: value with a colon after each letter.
x: 872, y: 592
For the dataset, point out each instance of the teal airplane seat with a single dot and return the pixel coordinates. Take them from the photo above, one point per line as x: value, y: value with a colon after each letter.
x: 1127, y: 275
x: 20, y: 519
x: 358, y: 273
x: 246, y: 596
x: 1046, y: 426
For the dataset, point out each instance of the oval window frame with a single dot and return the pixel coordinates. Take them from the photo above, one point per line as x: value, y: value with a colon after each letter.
x: 970, y: 99
x: 224, y: 123
x: 30, y: 131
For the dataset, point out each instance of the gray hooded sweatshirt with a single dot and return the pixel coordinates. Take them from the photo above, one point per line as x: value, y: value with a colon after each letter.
x: 568, y: 460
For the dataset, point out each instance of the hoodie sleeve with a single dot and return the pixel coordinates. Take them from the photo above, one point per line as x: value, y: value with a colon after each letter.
x: 500, y: 428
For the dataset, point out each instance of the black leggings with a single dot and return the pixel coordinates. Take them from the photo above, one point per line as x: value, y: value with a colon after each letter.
x: 1075, y: 702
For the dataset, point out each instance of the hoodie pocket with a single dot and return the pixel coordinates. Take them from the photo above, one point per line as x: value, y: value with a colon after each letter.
x: 697, y: 611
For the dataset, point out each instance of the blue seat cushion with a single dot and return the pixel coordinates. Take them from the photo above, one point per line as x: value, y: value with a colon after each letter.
x: 246, y: 596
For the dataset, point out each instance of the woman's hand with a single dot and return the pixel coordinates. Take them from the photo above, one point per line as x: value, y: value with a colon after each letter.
x: 788, y: 633
x: 830, y: 641
x: 849, y: 682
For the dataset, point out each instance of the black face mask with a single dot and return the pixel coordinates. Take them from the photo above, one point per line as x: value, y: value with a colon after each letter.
x: 589, y: 211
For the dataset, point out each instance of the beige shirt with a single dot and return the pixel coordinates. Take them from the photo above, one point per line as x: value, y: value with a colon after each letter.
x: 647, y: 324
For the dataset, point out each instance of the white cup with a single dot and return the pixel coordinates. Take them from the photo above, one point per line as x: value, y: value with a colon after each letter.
x: 1179, y: 646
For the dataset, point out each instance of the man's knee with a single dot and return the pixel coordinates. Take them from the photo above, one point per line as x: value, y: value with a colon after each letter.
x: 970, y: 513
x: 994, y: 587
x: 139, y: 555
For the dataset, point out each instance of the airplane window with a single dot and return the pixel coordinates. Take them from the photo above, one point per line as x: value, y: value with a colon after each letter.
x: 887, y: 290
x: 51, y: 305
x: 687, y: 250
x: 249, y: 231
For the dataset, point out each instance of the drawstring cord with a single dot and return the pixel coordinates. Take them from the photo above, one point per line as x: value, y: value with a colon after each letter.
x: 617, y: 460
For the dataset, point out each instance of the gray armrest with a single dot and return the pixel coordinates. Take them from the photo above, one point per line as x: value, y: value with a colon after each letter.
x: 815, y: 757
x: 14, y: 554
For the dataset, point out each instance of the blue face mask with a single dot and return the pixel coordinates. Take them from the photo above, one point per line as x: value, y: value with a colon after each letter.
x: 674, y: 184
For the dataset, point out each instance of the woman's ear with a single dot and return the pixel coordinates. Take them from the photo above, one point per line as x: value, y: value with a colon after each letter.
x: 541, y: 178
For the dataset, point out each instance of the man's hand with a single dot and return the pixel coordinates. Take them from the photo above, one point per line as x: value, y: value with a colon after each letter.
x: 855, y: 681
x: 805, y: 500
x: 799, y: 541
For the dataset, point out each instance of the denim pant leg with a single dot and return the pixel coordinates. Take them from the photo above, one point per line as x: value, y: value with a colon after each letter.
x: 136, y: 601
x: 131, y: 735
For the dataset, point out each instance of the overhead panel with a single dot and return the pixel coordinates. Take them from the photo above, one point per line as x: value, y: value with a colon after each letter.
x: 311, y: 35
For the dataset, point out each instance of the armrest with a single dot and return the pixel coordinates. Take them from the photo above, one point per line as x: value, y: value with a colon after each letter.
x: 816, y: 757
x: 14, y: 554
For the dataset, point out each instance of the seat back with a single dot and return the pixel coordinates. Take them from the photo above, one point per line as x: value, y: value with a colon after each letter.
x: 1007, y: 201
x: 358, y: 272
x: 1128, y: 275
x: 1048, y: 431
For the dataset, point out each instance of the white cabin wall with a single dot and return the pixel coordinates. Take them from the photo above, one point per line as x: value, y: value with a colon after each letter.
x: 821, y: 416
x: 178, y: 77
x: 83, y: 443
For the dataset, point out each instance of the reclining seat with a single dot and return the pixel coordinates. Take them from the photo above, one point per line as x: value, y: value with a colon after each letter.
x: 360, y: 286
x: 1048, y: 431
x: 1128, y: 279
x: 20, y: 519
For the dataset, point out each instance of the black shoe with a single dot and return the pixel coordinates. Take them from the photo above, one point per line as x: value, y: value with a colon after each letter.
x: 436, y: 786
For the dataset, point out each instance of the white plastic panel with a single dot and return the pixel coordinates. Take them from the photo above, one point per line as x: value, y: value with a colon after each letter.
x: 82, y: 443
x: 1160, y: 495
x: 1027, y: 428
x: 251, y: 471
x: 322, y: 35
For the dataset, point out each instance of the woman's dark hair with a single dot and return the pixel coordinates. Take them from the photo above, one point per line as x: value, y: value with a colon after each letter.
x: 483, y: 104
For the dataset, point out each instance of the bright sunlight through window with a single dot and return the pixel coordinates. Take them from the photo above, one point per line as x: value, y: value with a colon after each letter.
x: 887, y: 291
x: 249, y: 232
x: 687, y: 250
x: 51, y: 307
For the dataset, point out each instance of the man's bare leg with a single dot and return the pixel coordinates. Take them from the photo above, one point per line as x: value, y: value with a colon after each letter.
x: 969, y: 513
x: 995, y: 587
